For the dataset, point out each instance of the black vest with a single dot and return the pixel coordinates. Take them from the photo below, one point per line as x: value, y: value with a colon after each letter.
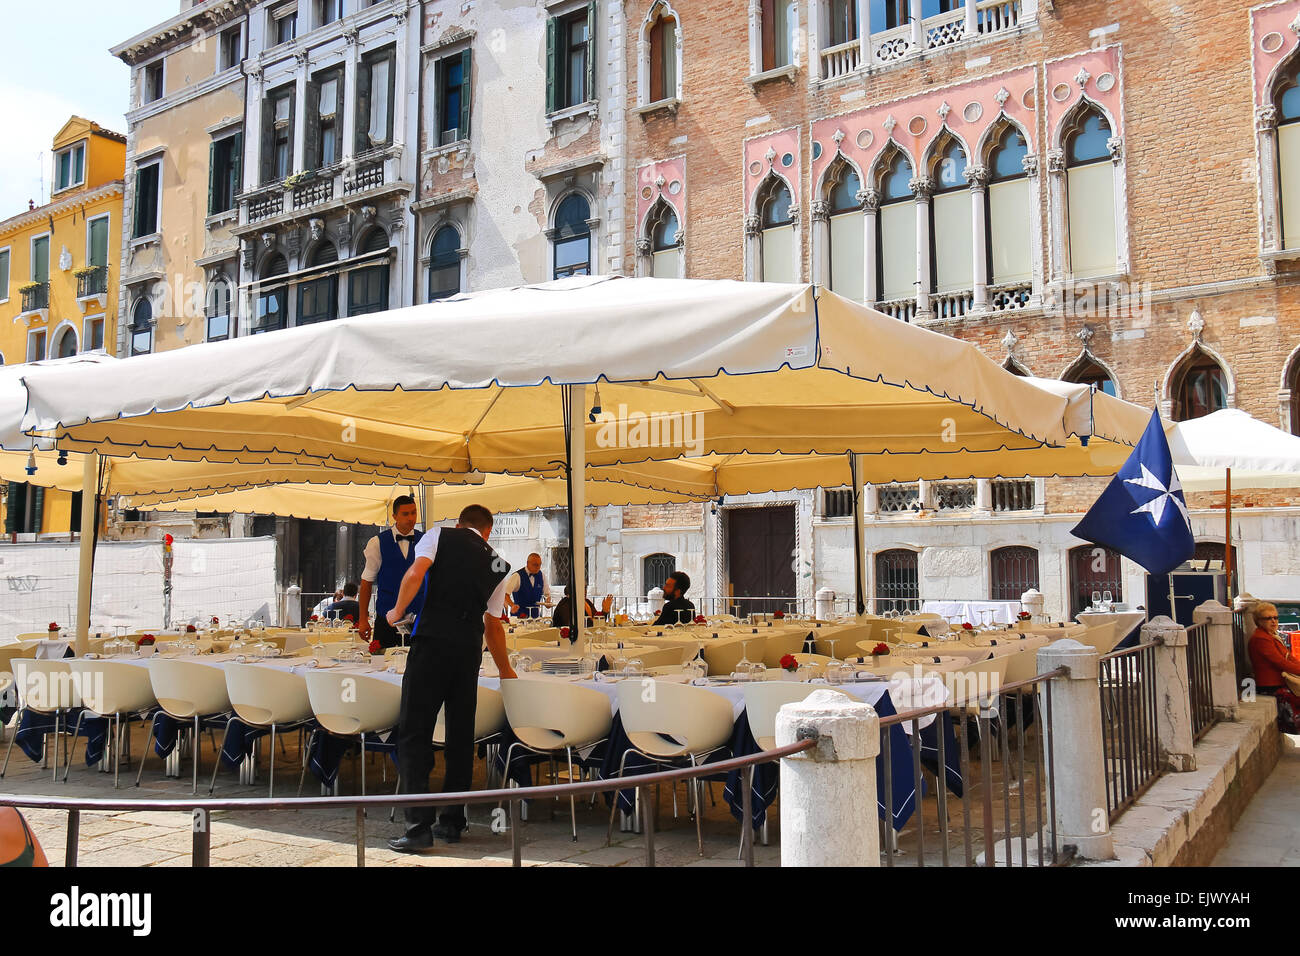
x: 465, y: 572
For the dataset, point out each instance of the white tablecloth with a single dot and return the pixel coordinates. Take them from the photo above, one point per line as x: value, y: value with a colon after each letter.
x: 1004, y: 612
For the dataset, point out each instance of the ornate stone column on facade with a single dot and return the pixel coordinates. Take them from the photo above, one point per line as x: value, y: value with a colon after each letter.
x: 300, y: 109
x: 864, y: 34
x: 753, y: 226
x: 978, y: 178
x: 918, y: 31
x: 350, y: 66
x: 1120, y: 191
x: 923, y: 189
x: 1059, y: 261
x: 870, y: 200
x: 821, y: 225
x: 1266, y: 137
x: 1031, y: 166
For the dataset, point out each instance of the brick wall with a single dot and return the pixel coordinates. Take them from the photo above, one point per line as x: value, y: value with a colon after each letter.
x: 685, y: 515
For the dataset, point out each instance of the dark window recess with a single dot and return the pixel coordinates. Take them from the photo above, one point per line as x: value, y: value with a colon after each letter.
x: 655, y: 569
x: 368, y: 287
x: 1012, y: 572
x: 837, y: 503
x: 224, y: 172
x: 142, y: 328
x: 277, y: 136
x: 146, y: 200
x: 570, y: 59
x: 897, y: 582
x: 572, y: 238
x: 272, y: 299
x: 25, y: 509
x: 1093, y: 568
x: 444, y: 264
x: 452, y: 79
x: 318, y: 298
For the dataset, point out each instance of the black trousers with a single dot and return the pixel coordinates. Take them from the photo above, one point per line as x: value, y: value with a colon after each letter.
x: 440, y: 671
x: 383, y: 632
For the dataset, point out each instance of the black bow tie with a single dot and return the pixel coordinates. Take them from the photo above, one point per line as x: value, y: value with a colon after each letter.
x: 404, y: 537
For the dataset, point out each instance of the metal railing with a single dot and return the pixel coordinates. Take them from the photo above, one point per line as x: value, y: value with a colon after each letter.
x: 1007, y: 806
x: 1199, y: 680
x: 200, y: 811
x: 953, y: 495
x: 1012, y: 495
x: 92, y: 282
x: 36, y: 296
x: 1130, y: 746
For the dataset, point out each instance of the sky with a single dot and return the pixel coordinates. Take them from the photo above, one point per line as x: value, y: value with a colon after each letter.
x: 57, y: 64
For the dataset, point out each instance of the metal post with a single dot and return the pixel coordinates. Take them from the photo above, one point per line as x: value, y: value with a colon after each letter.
x: 648, y: 810
x: 202, y: 827
x: 86, y: 561
x: 74, y: 833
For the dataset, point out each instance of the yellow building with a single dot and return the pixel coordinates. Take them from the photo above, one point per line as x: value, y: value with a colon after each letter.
x: 59, y: 271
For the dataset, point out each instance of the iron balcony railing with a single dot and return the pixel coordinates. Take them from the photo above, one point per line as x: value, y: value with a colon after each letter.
x: 1130, y: 745
x: 36, y: 296
x: 92, y: 282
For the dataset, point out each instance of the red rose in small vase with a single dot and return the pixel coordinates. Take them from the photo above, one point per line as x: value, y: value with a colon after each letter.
x: 789, y: 663
x: 191, y: 629
x: 145, y: 640
x: 564, y: 633
x: 967, y: 626
x: 314, y: 617
x: 1022, y: 616
x: 880, y: 649
x: 701, y: 619
x: 215, y: 621
x: 53, y: 627
x: 778, y: 614
x: 376, y: 647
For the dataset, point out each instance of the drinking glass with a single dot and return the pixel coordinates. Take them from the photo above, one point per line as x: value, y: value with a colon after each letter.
x: 1107, y: 600
x: 1096, y: 601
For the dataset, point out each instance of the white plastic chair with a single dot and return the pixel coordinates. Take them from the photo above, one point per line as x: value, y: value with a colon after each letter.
x: 186, y: 691
x: 264, y: 696
x: 548, y: 718
x: 45, y: 687
x: 110, y: 689
x: 352, y: 705
x: 764, y: 698
x: 674, y: 722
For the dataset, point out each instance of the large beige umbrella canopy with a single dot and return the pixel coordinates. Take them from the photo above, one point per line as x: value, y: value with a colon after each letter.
x: 473, y: 383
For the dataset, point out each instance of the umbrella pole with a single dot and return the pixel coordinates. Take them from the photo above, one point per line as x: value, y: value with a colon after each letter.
x: 86, y: 559
x: 859, y: 559
x: 575, y: 445
x: 1227, y: 533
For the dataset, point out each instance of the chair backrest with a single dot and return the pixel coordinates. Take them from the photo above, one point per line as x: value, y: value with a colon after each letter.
x: 353, y: 703
x: 971, y: 683
x: 723, y: 655
x: 489, y: 716
x: 262, y: 695
x: 548, y: 715
x: 696, y: 718
x: 1022, y: 665
x: 186, y: 689
x: 10, y: 651
x: 776, y: 646
x: 1101, y: 636
x: 658, y: 656
x: 764, y: 698
x: 112, y: 687
x: 45, y: 686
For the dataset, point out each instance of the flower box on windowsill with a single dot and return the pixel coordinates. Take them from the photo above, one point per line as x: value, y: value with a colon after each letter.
x: 788, y: 72
x: 151, y: 239
x: 668, y: 105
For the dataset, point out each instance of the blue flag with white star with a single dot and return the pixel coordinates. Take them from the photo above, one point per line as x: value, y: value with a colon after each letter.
x: 1142, y: 514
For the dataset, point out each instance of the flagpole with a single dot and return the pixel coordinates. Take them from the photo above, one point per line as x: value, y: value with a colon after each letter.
x: 1227, y: 532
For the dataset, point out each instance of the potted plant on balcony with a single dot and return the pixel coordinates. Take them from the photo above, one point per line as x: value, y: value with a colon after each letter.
x: 297, y: 179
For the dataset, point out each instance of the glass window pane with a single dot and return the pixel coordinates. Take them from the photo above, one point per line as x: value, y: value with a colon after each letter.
x: 898, y: 251
x: 1008, y: 158
x: 329, y: 96
x: 952, y: 167
x: 1088, y: 143
x: 571, y: 218
x: 665, y: 231
x: 778, y: 254
x: 1092, y: 219
x: 954, y: 248
x: 368, y: 290
x: 282, y: 109
x: 847, y: 241
x: 786, y: 39
x: 572, y: 252
x: 897, y: 182
x: 1288, y: 104
x: 1009, y: 218
x: 79, y: 164
x: 776, y: 204
x: 444, y: 281
x: 844, y: 194
x: 96, y: 334
x: 379, y: 101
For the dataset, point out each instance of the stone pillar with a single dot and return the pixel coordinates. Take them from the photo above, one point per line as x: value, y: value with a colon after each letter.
x: 753, y: 226
x: 870, y: 200
x: 864, y: 34
x: 972, y: 19
x: 923, y: 189
x: 918, y: 31
x: 1030, y: 163
x: 292, y: 616
x: 1078, y: 770
x: 1173, y: 700
x: 300, y: 111
x: 1223, y: 663
x: 829, y: 815
x: 1058, y: 236
x: 351, y: 59
x: 821, y: 225
x: 978, y: 178
x: 1266, y: 139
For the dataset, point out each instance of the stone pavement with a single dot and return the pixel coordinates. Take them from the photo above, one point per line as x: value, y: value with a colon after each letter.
x: 1268, y: 832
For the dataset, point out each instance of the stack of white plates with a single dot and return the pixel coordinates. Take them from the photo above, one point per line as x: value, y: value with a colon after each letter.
x: 562, y: 665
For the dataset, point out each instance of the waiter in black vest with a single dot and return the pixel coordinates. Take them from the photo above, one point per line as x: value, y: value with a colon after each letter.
x: 464, y: 598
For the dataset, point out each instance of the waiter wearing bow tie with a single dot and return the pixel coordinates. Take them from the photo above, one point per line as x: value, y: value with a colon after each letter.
x: 389, y: 555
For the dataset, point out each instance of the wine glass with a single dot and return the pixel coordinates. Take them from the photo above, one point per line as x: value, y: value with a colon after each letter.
x: 744, y: 666
x: 1107, y: 600
x: 1096, y: 601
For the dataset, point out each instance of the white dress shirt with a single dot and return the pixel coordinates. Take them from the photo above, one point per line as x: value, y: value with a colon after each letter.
x: 374, y: 558
x: 427, y: 547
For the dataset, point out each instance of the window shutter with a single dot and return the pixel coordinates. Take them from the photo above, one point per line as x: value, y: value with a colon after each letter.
x: 139, y: 204
x: 767, y: 24
x: 236, y: 166
x: 212, y: 177
x: 15, y: 507
x: 362, y: 143
x: 552, y: 87
x: 439, y: 101
x: 392, y: 94
x: 465, y: 87
x: 38, y: 509
x: 591, y: 52
x: 268, y: 139
x: 312, y: 147
x: 657, y: 61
